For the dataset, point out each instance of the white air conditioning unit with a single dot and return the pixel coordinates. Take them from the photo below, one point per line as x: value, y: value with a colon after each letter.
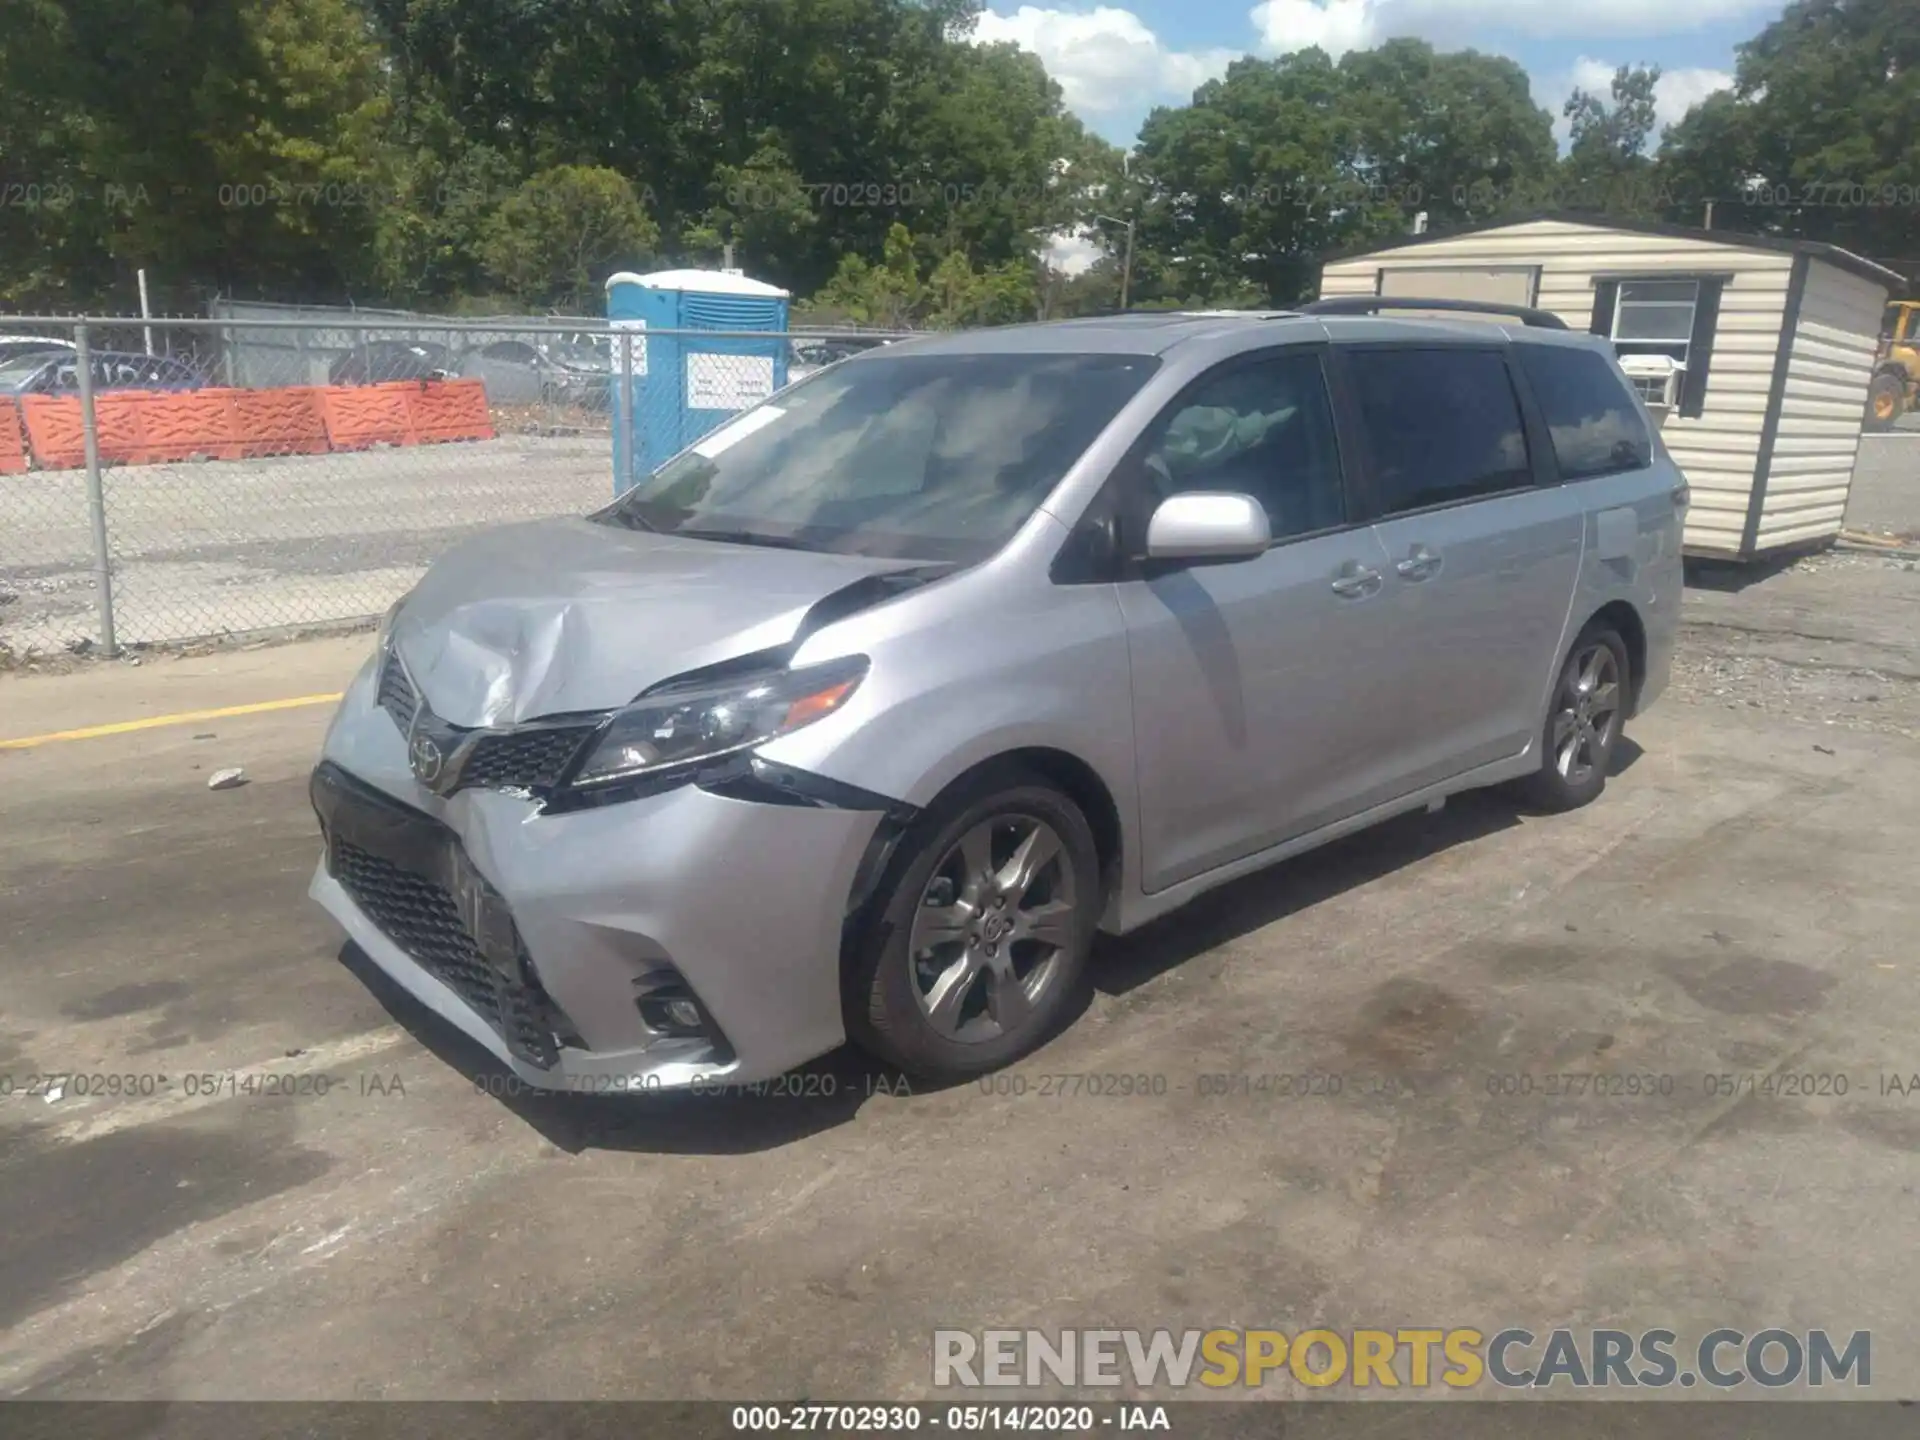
x: 1657, y: 378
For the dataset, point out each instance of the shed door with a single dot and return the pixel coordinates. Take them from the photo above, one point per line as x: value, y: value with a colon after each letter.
x: 1503, y: 284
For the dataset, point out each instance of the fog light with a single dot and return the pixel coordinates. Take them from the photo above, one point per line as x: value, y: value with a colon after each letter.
x: 670, y: 1009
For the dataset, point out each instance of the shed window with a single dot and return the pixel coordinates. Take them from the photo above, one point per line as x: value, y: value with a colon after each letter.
x: 1671, y: 315
x: 1655, y: 317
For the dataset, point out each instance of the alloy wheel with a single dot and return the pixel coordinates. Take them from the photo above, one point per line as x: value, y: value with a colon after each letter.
x: 1586, y: 713
x: 993, y: 928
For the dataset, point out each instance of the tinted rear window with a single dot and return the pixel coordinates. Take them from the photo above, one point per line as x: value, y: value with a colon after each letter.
x: 1595, y: 427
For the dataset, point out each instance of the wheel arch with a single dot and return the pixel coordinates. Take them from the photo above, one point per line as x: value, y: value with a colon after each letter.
x: 1074, y: 778
x: 1625, y: 619
x: 1067, y: 772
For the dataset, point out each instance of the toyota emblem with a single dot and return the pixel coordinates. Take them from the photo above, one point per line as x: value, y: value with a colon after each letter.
x: 426, y: 757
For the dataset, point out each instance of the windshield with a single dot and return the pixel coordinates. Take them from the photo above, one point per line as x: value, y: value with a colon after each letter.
x: 584, y: 356
x: 936, y: 457
x: 22, y: 368
x: 12, y: 350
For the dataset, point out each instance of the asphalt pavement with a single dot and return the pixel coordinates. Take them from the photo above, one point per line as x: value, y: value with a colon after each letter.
x: 268, y: 1176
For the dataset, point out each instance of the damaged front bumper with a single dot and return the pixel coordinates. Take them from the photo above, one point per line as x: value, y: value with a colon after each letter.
x: 670, y: 940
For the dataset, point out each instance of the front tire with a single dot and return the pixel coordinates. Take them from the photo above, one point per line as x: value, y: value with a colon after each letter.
x: 1583, y: 723
x: 980, y: 949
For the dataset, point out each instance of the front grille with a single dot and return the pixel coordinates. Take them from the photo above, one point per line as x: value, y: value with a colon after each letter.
x: 420, y: 916
x: 527, y: 759
x: 396, y: 694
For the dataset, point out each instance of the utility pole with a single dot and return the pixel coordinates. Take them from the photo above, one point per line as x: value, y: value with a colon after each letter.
x: 1708, y: 223
x: 1126, y: 265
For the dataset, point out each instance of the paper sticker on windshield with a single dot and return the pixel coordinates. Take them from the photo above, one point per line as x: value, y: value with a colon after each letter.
x: 727, y: 382
x: 732, y: 433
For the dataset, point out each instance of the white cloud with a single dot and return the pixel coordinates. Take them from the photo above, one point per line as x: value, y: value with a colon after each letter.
x: 1336, y: 26
x: 1110, y: 63
x: 1105, y: 59
x: 1680, y: 90
x: 1455, y: 22
x: 1673, y: 95
x: 1072, y: 253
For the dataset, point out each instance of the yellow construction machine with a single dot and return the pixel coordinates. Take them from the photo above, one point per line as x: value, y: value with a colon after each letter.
x: 1895, y: 388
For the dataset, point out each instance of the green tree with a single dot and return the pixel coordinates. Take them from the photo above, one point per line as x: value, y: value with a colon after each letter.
x: 223, y: 146
x: 427, y: 241
x: 764, y: 210
x: 888, y: 295
x: 895, y: 295
x: 555, y: 240
x: 1454, y: 134
x: 1243, y: 187
x: 1820, y: 136
x: 1607, y: 167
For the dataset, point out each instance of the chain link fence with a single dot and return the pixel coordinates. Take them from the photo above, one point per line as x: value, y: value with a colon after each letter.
x: 170, y: 480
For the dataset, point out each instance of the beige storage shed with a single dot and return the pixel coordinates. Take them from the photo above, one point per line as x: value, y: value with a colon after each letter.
x: 1754, y: 354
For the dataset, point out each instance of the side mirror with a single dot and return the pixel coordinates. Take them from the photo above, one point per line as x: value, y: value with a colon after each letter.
x: 1208, y: 525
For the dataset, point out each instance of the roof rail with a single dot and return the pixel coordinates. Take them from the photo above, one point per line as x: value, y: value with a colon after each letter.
x: 1371, y: 304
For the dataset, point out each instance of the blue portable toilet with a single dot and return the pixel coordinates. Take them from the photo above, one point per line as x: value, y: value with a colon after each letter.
x: 683, y: 384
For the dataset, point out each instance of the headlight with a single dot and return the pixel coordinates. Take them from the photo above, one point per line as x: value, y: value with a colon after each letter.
x: 680, y: 727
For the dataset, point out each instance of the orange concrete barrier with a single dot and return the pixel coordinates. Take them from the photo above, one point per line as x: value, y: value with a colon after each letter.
x: 287, y: 421
x: 149, y: 427
x: 54, y: 436
x: 179, y: 425
x: 362, y: 415
x: 450, y: 410
x: 13, y: 444
x: 117, y: 416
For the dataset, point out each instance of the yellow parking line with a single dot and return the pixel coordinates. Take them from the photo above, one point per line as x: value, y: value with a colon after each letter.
x: 154, y: 722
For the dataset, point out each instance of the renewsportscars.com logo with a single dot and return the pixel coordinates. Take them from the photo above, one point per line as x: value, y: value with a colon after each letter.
x: 1409, y: 1358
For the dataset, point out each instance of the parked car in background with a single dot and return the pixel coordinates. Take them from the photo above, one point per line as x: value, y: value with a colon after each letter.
x: 535, y: 372
x: 814, y: 352
x: 58, y: 373
x: 16, y: 347
x: 378, y: 361
x: 859, y: 717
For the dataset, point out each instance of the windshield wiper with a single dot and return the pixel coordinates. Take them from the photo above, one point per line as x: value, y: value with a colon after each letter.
x: 747, y: 537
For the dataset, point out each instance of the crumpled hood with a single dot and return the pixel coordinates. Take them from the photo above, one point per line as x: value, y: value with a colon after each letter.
x: 567, y: 615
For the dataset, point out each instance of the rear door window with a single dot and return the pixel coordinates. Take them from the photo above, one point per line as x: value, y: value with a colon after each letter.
x: 1595, y: 426
x: 1441, y: 425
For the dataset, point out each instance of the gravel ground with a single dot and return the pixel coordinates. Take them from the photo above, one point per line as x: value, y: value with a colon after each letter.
x: 1885, y: 498
x: 1828, y: 640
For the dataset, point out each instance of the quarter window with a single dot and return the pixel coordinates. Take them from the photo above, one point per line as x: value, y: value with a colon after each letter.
x: 1594, y: 425
x: 1441, y: 425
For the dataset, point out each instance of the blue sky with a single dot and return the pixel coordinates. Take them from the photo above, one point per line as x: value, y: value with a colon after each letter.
x: 1117, y: 60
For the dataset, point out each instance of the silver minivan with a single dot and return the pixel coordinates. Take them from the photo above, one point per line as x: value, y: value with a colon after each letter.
x: 862, y: 716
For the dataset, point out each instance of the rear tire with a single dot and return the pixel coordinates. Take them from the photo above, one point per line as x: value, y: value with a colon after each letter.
x: 1886, y: 398
x: 1584, y: 722
x: 979, y: 949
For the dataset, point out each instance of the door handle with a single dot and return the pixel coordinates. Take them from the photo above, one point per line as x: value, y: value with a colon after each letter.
x: 1355, y: 580
x: 1419, y: 564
